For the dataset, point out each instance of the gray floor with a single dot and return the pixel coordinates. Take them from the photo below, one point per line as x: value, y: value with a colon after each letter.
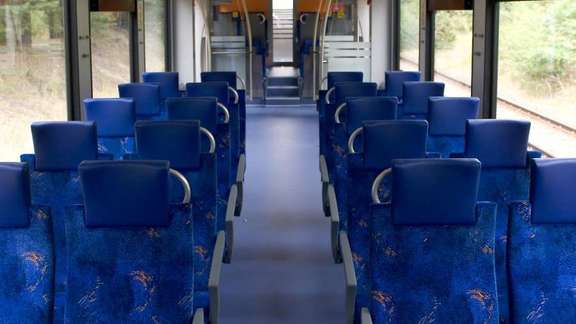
x: 282, y: 271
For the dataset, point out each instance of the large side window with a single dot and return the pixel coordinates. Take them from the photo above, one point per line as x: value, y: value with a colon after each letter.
x: 155, y: 35
x: 110, y: 42
x: 409, y: 34
x: 32, y: 71
x: 537, y: 71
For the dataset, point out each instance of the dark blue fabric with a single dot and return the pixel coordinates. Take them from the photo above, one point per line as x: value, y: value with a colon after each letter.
x: 394, y: 81
x: 168, y: 81
x: 435, y: 191
x: 146, y: 96
x: 433, y: 274
x: 125, y: 193
x: 359, y: 110
x: 415, y: 98
x: 15, y: 196
x: 174, y: 141
x: 61, y: 146
x: 27, y: 267
x: 228, y: 77
x: 498, y: 143
x: 542, y: 265
x: 552, y: 191
x: 336, y: 77
x: 131, y: 274
x: 345, y: 90
x: 114, y: 120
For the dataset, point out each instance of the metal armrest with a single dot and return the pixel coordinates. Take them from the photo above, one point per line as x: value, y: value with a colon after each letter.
x: 214, y: 280
x: 241, y: 168
x: 351, y: 284
x: 334, y: 225
x: 324, y: 175
x: 366, y: 318
x: 230, y: 209
x: 198, y: 316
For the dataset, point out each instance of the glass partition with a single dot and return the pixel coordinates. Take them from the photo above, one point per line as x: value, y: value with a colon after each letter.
x: 409, y: 34
x: 155, y: 35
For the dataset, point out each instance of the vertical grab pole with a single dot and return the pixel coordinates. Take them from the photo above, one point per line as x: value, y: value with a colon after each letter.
x: 249, y: 30
x: 322, y: 51
x: 314, y: 56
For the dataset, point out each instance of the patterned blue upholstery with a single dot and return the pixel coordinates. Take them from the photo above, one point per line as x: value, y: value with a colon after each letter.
x: 168, y: 81
x: 26, y: 250
x: 501, y: 146
x: 383, y: 142
x: 447, y: 117
x: 541, y: 247
x: 200, y: 170
x: 394, y: 81
x: 147, y: 99
x: 415, y: 98
x: 441, y: 271
x: 59, y: 148
x: 138, y: 268
x: 114, y: 120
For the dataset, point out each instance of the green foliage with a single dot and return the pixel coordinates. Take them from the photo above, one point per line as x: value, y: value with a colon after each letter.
x: 449, y: 24
x: 409, y: 24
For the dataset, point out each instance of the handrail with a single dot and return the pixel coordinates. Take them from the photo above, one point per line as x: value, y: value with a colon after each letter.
x: 250, y: 44
x: 376, y: 185
x: 241, y: 81
x: 328, y: 94
x: 185, y: 184
x: 210, y: 138
x: 236, y: 95
x: 226, y: 112
x: 337, y: 113
x: 352, y: 138
x: 322, y: 57
x: 314, y: 52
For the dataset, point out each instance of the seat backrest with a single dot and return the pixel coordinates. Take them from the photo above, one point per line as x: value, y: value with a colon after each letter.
x: 394, y: 81
x: 359, y: 110
x: 434, y: 224
x: 385, y: 141
x: 542, y: 258
x: 448, y: 115
x: 215, y: 89
x: 168, y: 81
x: 337, y: 77
x: 346, y: 90
x: 146, y: 96
x: 128, y: 242
x: 113, y: 117
x: 415, y: 96
x: 205, y: 110
x: 27, y: 267
x: 228, y: 77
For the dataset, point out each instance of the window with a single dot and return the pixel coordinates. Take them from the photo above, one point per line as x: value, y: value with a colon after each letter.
x: 453, y: 51
x: 32, y: 71
x: 155, y: 35
x: 537, y: 71
x: 409, y: 34
x: 110, y: 32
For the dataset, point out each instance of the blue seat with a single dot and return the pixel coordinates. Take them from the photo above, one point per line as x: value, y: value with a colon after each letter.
x: 332, y: 78
x: 147, y: 99
x: 415, y: 98
x: 447, y: 118
x: 114, y: 120
x: 382, y: 142
x: 394, y: 82
x: 26, y: 245
x: 541, y: 246
x: 186, y: 156
x: 168, y: 81
x: 502, y: 147
x: 432, y: 247
x: 59, y: 148
x: 131, y: 253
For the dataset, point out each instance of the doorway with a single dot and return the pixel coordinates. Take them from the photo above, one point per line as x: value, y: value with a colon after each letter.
x: 283, y: 31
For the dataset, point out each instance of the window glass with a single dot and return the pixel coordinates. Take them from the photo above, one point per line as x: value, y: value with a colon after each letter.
x: 110, y: 36
x: 155, y: 35
x: 409, y: 35
x: 32, y: 71
x: 453, y: 51
x: 537, y: 71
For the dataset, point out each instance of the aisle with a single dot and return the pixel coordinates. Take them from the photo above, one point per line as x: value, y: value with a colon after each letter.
x: 282, y: 271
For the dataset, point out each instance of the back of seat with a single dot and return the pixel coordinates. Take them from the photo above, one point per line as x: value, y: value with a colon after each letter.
x: 114, y: 120
x: 129, y: 249
x: 502, y: 147
x: 360, y: 110
x: 228, y: 77
x: 27, y: 267
x: 168, y: 81
x: 432, y: 246
x: 337, y: 77
x: 146, y: 96
x: 542, y: 257
x: 394, y: 81
x: 447, y: 117
x: 415, y: 98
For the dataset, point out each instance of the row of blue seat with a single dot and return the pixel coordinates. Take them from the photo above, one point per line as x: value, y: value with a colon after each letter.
x: 415, y: 239
x: 149, y: 224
